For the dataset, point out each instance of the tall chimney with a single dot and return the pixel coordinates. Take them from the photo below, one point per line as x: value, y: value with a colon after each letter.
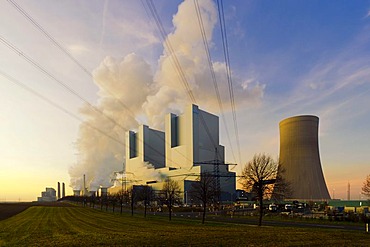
x: 84, y: 190
x: 63, y: 190
x: 349, y: 192
x: 58, y: 190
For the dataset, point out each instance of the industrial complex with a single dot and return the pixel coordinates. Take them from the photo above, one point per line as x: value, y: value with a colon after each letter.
x: 189, y: 149
x: 189, y: 146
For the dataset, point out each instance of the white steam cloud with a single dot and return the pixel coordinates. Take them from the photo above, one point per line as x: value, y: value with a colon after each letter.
x: 151, y: 95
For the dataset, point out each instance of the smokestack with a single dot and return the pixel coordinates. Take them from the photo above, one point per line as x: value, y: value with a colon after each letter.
x: 63, y: 190
x: 58, y: 190
x: 349, y: 192
x: 84, y: 190
x: 300, y: 158
x: 103, y: 192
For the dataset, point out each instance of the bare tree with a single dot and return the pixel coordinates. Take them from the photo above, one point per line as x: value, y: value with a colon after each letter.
x: 145, y: 194
x: 121, y: 196
x: 281, y: 187
x: 204, y: 190
x: 259, y: 176
x: 131, y: 196
x: 366, y: 186
x: 113, y: 200
x: 170, y: 194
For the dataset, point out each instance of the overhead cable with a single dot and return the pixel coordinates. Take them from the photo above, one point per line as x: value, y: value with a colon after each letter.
x: 210, y: 65
x: 228, y: 70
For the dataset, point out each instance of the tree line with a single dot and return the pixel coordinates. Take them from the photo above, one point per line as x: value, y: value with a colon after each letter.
x: 261, y: 176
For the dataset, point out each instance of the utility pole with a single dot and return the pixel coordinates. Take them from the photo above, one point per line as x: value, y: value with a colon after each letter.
x: 216, y: 171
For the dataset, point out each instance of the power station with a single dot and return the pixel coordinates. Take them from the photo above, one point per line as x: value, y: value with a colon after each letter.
x: 300, y: 158
x: 188, y: 148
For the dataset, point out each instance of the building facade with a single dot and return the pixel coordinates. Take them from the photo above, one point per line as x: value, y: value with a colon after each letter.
x: 188, y: 147
x: 49, y: 195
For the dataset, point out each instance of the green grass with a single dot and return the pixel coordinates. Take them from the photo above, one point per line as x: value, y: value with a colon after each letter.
x: 77, y: 226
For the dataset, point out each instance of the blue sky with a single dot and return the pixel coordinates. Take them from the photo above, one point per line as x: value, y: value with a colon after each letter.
x: 287, y: 58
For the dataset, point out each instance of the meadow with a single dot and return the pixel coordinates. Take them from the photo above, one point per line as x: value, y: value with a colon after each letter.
x: 79, y: 226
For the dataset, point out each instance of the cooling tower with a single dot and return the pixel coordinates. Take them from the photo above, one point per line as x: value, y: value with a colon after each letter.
x: 300, y: 158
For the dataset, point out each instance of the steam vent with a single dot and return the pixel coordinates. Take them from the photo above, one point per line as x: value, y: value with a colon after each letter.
x: 300, y: 158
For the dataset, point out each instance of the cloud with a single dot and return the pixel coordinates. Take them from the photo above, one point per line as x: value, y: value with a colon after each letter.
x: 77, y: 49
x: 105, y: 10
x: 368, y: 14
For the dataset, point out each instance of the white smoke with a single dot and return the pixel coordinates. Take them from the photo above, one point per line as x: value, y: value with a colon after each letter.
x: 152, y: 95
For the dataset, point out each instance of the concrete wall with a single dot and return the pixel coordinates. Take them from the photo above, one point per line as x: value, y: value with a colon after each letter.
x: 147, y: 145
x: 198, y: 140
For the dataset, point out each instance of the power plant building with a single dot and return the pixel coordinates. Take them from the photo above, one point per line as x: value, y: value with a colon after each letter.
x: 188, y: 147
x: 300, y: 158
x: 49, y: 195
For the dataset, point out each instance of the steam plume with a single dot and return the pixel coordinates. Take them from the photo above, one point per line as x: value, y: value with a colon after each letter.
x: 151, y: 95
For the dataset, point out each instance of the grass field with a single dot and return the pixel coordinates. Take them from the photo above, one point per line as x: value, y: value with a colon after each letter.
x: 77, y: 226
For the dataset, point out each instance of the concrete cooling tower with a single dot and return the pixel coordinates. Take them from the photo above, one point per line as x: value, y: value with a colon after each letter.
x: 300, y: 158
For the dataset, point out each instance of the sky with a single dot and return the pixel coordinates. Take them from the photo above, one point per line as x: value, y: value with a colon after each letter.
x: 98, y: 68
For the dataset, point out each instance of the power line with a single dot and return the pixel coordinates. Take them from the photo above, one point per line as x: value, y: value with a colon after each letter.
x: 60, y: 46
x: 167, y: 42
x: 210, y: 65
x: 176, y: 63
x: 228, y: 70
x: 64, y: 85
x: 57, y: 44
x: 66, y: 52
x: 47, y: 100
x: 27, y: 88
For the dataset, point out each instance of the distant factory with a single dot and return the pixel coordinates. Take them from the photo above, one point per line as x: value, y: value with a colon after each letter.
x: 51, y: 195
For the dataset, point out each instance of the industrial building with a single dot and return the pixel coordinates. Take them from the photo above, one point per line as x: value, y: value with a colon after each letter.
x: 49, y: 195
x: 300, y: 158
x: 188, y: 147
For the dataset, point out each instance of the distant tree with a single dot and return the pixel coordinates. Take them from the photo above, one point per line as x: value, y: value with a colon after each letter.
x: 281, y: 188
x: 204, y: 190
x: 259, y: 176
x: 112, y: 200
x: 121, y: 194
x: 145, y: 194
x: 131, y: 196
x: 170, y: 194
x: 366, y: 186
